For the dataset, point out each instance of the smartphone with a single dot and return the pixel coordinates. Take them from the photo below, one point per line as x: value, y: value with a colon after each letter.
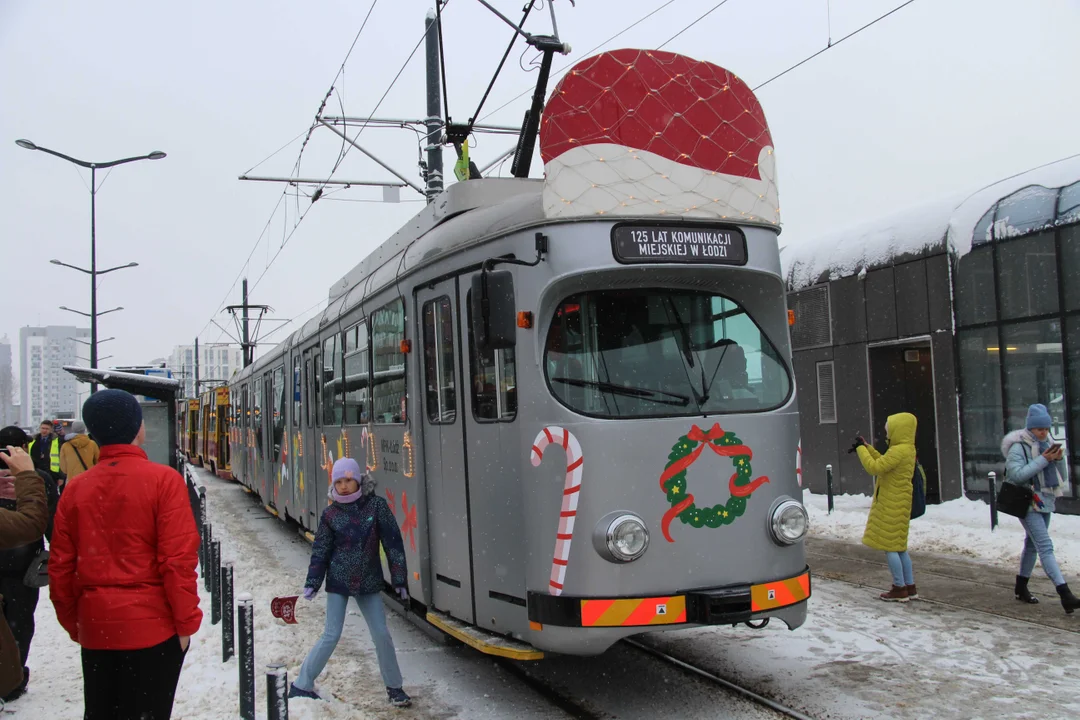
x: 1055, y: 447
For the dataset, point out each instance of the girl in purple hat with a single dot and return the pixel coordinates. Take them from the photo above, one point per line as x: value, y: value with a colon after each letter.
x: 346, y: 554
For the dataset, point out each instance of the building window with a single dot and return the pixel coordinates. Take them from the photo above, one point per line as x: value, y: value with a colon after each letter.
x: 388, y: 363
x: 1027, y: 276
x: 980, y: 387
x: 440, y: 395
x: 1070, y: 258
x: 974, y: 287
x: 1034, y: 372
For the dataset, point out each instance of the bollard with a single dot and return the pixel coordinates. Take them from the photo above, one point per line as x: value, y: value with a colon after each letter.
x: 245, y: 610
x: 208, y: 535
x: 203, y: 540
x: 991, y: 480
x: 228, y: 644
x: 828, y: 486
x: 215, y: 582
x: 277, y: 692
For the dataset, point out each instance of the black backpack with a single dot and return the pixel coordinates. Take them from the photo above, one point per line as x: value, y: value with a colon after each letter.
x: 918, y: 491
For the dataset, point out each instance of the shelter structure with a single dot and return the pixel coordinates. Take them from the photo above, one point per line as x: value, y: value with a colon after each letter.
x: 156, y: 395
x: 963, y: 312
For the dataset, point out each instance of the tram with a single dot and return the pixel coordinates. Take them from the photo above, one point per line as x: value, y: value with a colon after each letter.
x: 575, y: 393
x: 213, y: 435
x: 187, y: 427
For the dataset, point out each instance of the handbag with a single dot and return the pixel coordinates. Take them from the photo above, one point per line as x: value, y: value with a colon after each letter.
x: 1015, y: 500
x: 37, y: 575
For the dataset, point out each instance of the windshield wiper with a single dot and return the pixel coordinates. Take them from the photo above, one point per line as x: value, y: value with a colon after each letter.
x: 643, y: 393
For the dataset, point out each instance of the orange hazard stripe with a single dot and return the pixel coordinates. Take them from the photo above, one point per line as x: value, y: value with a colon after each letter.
x: 780, y: 593
x: 633, y: 612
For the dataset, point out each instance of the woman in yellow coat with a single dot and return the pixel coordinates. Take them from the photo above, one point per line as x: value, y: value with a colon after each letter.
x: 890, y: 511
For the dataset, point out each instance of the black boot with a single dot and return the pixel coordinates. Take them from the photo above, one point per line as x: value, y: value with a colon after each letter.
x: 1068, y: 600
x: 1022, y: 593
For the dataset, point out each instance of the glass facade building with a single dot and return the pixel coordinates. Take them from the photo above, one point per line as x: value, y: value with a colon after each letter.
x: 1017, y: 308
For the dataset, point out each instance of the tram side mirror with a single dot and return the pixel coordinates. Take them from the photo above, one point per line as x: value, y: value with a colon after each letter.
x: 494, y: 323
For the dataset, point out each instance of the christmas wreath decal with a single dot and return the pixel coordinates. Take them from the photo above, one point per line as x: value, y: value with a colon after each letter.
x: 673, y: 480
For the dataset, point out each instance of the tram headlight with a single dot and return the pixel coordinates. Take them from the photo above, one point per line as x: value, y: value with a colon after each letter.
x: 627, y: 538
x: 789, y: 522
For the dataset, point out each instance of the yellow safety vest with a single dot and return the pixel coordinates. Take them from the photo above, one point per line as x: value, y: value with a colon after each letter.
x: 54, y: 454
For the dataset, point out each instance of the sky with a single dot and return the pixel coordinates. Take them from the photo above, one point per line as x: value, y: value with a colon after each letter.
x: 940, y: 97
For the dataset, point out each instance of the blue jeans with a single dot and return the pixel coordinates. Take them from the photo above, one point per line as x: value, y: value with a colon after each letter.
x: 900, y: 567
x: 1038, y: 543
x: 375, y: 615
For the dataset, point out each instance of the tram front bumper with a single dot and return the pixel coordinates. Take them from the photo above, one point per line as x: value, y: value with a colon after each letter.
x: 728, y: 605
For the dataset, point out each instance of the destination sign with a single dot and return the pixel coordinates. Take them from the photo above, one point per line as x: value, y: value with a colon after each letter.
x: 678, y: 244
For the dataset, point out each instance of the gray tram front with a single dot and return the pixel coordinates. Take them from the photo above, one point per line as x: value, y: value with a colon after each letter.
x: 647, y: 373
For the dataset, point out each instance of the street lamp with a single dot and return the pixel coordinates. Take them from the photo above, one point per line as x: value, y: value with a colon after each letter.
x: 93, y: 271
x: 99, y: 342
x: 93, y: 341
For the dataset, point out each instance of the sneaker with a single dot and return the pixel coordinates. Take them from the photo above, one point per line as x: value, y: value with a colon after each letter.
x: 897, y: 594
x: 295, y: 692
x: 398, y: 698
x: 912, y: 593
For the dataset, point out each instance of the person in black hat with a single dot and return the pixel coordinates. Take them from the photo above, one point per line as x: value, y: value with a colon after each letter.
x: 20, y: 601
x: 137, y: 546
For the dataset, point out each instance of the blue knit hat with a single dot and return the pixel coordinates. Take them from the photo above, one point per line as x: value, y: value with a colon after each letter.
x: 347, y: 468
x: 112, y: 416
x: 1038, y: 417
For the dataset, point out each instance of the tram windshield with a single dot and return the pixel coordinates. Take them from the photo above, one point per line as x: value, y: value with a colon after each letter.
x: 653, y: 353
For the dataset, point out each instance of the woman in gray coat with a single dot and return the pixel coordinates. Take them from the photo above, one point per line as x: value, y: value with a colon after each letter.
x: 1033, y: 460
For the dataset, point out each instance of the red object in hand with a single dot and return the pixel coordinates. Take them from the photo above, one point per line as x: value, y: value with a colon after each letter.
x: 284, y: 608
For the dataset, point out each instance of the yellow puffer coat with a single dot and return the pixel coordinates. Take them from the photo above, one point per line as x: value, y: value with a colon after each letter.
x: 890, y: 511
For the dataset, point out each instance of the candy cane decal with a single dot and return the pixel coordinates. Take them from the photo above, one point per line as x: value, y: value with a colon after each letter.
x: 798, y: 463
x: 571, y: 490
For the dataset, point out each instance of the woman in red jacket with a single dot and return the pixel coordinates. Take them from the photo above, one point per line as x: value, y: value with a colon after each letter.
x: 129, y: 595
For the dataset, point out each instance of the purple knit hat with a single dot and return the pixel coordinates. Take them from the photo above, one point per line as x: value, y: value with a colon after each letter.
x: 347, y: 468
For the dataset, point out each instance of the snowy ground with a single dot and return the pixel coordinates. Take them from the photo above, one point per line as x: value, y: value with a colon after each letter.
x: 856, y: 657
x: 958, y: 527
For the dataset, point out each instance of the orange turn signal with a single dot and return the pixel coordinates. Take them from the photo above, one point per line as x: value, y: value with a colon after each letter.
x: 790, y: 317
x: 406, y: 346
x: 524, y: 319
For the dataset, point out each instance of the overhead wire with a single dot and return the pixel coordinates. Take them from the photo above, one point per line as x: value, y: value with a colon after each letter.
x: 626, y: 29
x: 831, y: 45
x: 296, y: 166
x: 709, y: 12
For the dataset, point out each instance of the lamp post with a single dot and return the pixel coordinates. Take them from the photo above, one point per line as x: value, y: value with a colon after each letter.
x: 93, y: 271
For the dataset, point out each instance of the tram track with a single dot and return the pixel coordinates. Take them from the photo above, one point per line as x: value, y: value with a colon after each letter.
x: 692, y: 669
x: 586, y: 710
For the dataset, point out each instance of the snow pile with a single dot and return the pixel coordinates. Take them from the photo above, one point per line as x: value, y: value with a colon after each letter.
x: 957, y: 527
x: 849, y: 251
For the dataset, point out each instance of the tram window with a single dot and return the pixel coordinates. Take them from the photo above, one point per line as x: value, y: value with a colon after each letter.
x: 296, y: 391
x: 388, y: 363
x: 279, y: 410
x: 440, y: 395
x: 333, y: 394
x: 357, y: 381
x: 256, y: 413
x: 654, y: 352
x: 494, y: 379
x: 316, y: 385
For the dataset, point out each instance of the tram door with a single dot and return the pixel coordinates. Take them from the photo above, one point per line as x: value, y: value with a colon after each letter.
x: 313, y: 493
x: 444, y: 451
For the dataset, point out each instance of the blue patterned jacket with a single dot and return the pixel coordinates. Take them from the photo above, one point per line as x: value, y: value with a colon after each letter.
x: 346, y: 550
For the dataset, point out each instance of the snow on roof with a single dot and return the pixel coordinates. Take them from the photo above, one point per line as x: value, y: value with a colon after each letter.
x: 962, y: 224
x: 1029, y: 200
x: 846, y: 252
